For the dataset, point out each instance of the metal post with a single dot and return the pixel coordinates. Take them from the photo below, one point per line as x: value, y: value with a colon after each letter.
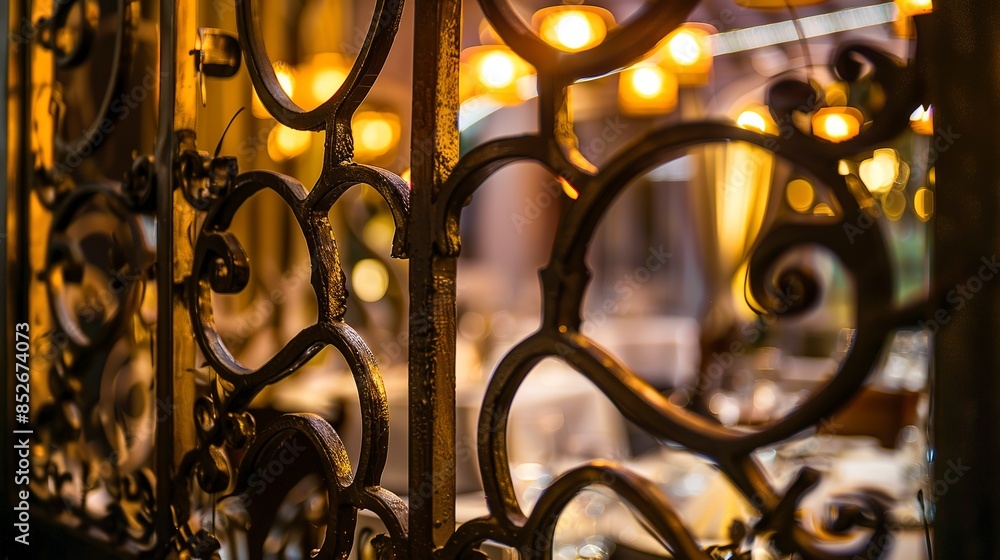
x: 434, y: 152
x: 963, y: 58
x: 174, y: 388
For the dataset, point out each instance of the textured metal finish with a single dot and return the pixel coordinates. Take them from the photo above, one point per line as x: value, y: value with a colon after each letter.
x: 434, y: 146
x: 961, y: 50
x: 208, y: 446
x: 219, y: 264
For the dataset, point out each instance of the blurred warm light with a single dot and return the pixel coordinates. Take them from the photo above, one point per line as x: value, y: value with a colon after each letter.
x: 468, y: 82
x: 685, y: 49
x: 687, y: 52
x: 836, y: 124
x: 327, y: 82
x: 572, y: 31
x: 823, y: 209
x: 923, y: 203
x: 473, y: 326
x: 752, y: 120
x: 880, y: 172
x: 324, y: 73
x: 405, y: 175
x: 726, y: 408
x: 568, y: 189
x: 757, y: 119
x: 844, y: 167
x: 800, y: 195
x: 375, y: 134
x: 286, y: 79
x: 370, y: 280
x: 647, y: 89
x: 922, y: 121
x: 745, y: 303
x: 284, y: 143
x: 378, y: 233
x: 494, y: 70
x: 572, y: 28
x: 765, y: 396
x: 894, y: 204
x: 716, y: 403
x: 915, y: 7
x: 647, y: 81
x: 836, y: 127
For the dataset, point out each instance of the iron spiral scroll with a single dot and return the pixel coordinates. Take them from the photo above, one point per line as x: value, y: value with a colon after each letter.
x: 220, y: 265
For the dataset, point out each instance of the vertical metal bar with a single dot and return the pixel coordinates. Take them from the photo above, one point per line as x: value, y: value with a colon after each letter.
x: 964, y: 49
x: 434, y: 152
x: 174, y: 345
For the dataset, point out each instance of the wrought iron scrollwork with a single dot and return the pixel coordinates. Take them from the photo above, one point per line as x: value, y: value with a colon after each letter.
x: 96, y: 418
x: 119, y: 15
x: 565, y: 278
x: 221, y: 265
x: 94, y: 436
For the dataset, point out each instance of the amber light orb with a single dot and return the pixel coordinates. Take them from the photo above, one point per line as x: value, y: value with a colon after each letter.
x: 375, y: 134
x: 647, y: 89
x: 284, y: 143
x: 757, y: 119
x: 837, y: 124
x: 573, y: 28
x: 687, y: 53
x: 493, y: 70
x: 323, y: 75
x: 881, y: 171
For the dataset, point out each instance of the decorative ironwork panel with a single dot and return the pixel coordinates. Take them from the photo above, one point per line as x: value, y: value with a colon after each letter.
x: 92, y: 249
x: 782, y: 291
x: 142, y: 430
